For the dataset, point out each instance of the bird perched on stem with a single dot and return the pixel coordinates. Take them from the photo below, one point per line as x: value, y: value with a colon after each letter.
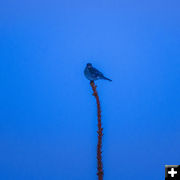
x: 93, y: 74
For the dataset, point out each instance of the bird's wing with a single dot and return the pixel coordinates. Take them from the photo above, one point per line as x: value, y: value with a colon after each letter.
x: 95, y: 72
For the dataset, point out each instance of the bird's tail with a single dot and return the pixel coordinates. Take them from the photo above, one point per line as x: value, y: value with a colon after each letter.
x: 106, y: 78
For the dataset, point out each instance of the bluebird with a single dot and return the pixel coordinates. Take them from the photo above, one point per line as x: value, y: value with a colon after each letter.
x: 93, y: 74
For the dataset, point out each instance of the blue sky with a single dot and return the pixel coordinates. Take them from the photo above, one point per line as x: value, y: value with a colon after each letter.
x: 47, y: 112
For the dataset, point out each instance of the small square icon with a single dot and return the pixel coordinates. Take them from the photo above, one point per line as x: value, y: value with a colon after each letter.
x: 172, y: 172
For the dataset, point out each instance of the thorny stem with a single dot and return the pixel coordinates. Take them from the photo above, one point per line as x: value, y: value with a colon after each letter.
x: 100, y: 172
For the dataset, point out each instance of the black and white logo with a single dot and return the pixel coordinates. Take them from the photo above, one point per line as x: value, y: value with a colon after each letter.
x: 172, y: 172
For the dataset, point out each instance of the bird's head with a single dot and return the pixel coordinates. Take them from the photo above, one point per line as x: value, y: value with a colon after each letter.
x: 89, y: 65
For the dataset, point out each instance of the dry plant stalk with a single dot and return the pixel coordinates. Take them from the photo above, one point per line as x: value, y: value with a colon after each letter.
x: 100, y: 172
